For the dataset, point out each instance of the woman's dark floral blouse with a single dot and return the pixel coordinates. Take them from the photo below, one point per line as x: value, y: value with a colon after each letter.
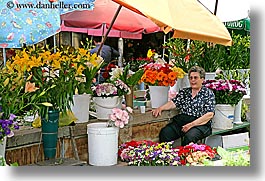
x: 202, y: 103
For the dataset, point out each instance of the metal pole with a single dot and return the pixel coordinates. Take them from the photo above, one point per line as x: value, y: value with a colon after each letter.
x: 111, y: 24
x: 215, y: 8
x: 4, y: 56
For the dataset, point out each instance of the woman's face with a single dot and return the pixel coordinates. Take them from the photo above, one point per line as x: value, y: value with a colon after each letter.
x: 195, y: 80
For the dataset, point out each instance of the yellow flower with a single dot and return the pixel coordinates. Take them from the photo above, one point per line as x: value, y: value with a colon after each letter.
x: 149, y: 53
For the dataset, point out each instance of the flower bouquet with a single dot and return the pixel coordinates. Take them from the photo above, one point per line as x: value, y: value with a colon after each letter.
x: 119, y: 117
x: 161, y: 74
x: 87, y: 67
x: 195, y: 154
x: 226, y: 91
x: 110, y: 89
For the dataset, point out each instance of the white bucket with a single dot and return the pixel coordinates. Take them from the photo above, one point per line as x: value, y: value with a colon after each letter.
x: 158, y: 95
x: 210, y: 75
x: 104, y: 106
x: 224, y: 116
x: 3, y: 147
x: 102, y: 144
x: 81, y: 107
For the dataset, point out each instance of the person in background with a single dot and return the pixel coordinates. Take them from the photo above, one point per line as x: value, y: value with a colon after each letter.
x: 108, y: 53
x: 196, y: 105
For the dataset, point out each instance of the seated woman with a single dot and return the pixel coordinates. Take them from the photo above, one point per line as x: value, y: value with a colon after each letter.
x: 196, y: 104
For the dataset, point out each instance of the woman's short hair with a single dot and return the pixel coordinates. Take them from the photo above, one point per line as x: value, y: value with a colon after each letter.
x: 198, y: 69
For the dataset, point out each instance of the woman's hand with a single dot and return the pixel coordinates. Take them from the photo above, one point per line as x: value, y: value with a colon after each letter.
x: 157, y: 112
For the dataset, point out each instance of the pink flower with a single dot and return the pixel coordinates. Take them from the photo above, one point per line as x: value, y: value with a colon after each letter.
x: 120, y: 117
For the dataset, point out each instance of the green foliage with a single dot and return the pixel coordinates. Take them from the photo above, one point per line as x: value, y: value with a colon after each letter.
x: 236, y: 56
x: 234, y: 158
x: 209, y: 56
x: 131, y: 79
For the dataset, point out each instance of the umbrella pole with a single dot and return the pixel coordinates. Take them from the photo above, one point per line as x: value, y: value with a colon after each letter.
x: 111, y: 24
x: 215, y: 8
x: 4, y: 56
x: 163, y: 54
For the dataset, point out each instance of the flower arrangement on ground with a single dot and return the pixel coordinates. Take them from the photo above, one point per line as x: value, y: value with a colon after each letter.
x: 195, y: 154
x: 148, y: 153
x: 226, y: 91
x: 7, y: 126
x: 161, y: 74
x: 110, y: 89
x: 119, y: 117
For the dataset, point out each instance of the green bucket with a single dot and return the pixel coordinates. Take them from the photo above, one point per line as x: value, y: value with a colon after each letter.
x: 50, y: 133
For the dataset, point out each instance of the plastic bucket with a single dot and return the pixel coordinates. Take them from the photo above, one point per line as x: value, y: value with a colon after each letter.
x: 102, y: 144
x: 81, y: 107
x: 3, y: 147
x: 50, y: 133
x: 104, y: 106
x: 224, y: 116
x: 158, y: 95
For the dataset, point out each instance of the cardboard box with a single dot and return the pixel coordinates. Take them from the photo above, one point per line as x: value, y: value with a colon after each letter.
x: 229, y: 142
x: 235, y: 140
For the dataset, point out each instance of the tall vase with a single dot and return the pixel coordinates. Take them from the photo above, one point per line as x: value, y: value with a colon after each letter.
x: 102, y: 144
x: 158, y: 95
x: 80, y: 107
x: 129, y: 98
x: 49, y: 129
x: 2, y: 151
x: 237, y: 113
x: 104, y: 106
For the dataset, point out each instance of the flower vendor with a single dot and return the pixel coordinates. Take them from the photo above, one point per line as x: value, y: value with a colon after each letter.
x: 196, y: 105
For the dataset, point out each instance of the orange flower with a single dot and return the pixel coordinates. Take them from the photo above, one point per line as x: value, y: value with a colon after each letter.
x: 30, y: 87
x: 172, y: 75
x: 161, y: 74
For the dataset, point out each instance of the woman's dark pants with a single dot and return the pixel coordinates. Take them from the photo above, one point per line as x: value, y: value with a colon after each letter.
x: 172, y: 131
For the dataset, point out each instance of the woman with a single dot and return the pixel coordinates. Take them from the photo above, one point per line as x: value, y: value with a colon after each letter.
x: 196, y: 104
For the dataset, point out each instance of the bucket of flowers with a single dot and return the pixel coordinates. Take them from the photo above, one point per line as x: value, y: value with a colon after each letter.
x: 227, y: 93
x: 159, y: 76
x: 108, y: 95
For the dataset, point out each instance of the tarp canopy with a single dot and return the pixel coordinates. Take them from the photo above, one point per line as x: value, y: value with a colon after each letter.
x: 127, y: 25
